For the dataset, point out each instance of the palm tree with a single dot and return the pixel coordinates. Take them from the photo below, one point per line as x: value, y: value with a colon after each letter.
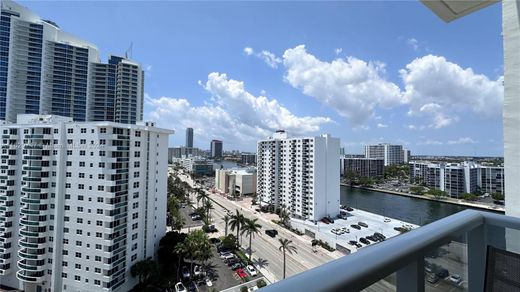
x: 226, y: 221
x: 284, y: 217
x: 286, y: 246
x: 201, y: 196
x: 236, y: 222
x: 251, y: 228
x: 208, y: 206
x: 180, y: 249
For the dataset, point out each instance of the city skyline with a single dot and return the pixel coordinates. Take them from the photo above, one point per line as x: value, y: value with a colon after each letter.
x: 219, y: 91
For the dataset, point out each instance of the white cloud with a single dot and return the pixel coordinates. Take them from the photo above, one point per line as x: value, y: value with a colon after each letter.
x: 338, y: 51
x: 440, y: 90
x: 352, y: 87
x: 148, y: 68
x: 429, y: 142
x: 464, y: 140
x: 248, y: 51
x: 233, y: 114
x: 380, y: 125
x: 269, y: 58
x: 413, y: 43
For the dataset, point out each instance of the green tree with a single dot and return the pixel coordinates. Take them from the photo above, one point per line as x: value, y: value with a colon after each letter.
x: 198, y: 246
x: 284, y: 217
x: 437, y: 194
x: 365, y: 181
x: 417, y: 190
x: 201, y: 196
x: 230, y: 242
x: 468, y: 196
x: 236, y: 222
x: 251, y: 227
x: 497, y: 196
x: 226, y: 221
x: 351, y: 177
x: 286, y: 246
x: 180, y: 249
x: 173, y: 206
x: 208, y: 206
x: 144, y: 270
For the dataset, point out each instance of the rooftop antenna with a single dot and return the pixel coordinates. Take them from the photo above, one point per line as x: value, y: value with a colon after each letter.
x: 129, y: 51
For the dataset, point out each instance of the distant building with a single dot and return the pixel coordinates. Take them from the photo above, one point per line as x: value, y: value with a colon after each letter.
x: 406, y: 155
x: 342, y: 151
x: 195, y: 165
x: 183, y: 152
x: 236, y: 182
x: 391, y: 154
x: 189, y: 137
x: 248, y: 158
x: 216, y: 148
x: 300, y: 174
x: 458, y: 178
x: 364, y: 167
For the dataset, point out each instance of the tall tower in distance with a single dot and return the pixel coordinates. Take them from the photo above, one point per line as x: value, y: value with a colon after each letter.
x: 189, y: 137
x: 216, y: 148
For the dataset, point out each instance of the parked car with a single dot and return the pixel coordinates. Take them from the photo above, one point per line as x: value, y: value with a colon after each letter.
x: 363, y: 224
x: 355, y: 226
x: 352, y: 242
x: 387, y: 220
x: 197, y: 271
x: 241, y: 273
x: 380, y: 236
x: 223, y: 255
x: 433, y: 279
x: 371, y: 238
x: 442, y: 273
x: 232, y: 261
x: 236, y: 266
x: 215, y: 240
x: 179, y: 287
x: 428, y: 267
x: 251, y: 270
x: 455, y: 279
x: 271, y: 232
x: 192, y: 287
x: 350, y: 209
x: 364, y: 240
x: 209, y: 283
x: 325, y: 220
x: 185, y: 272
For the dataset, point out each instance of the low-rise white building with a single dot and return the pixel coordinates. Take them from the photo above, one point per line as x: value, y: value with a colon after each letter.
x: 236, y: 182
x: 80, y: 202
x: 299, y: 174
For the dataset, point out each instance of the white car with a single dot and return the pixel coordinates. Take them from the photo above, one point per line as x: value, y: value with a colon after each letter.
x: 179, y: 287
x: 251, y: 270
x: 197, y: 270
x: 208, y: 282
x: 456, y: 279
x: 225, y: 254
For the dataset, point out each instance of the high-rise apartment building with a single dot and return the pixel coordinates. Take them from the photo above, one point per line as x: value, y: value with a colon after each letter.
x: 299, y: 174
x: 44, y: 70
x: 189, y: 137
x: 392, y: 154
x: 216, y: 148
x: 363, y: 167
x: 80, y: 202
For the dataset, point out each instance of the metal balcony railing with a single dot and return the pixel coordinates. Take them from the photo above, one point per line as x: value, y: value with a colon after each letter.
x: 405, y: 255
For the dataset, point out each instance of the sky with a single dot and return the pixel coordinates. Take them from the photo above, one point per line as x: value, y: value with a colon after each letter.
x: 363, y: 71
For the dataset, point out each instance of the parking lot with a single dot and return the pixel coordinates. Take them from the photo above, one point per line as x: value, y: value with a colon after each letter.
x: 375, y: 223
x: 186, y: 211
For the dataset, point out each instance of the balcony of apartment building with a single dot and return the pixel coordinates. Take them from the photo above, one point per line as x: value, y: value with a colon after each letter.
x: 473, y: 250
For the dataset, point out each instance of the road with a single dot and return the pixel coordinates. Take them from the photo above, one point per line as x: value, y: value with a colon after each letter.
x: 267, y: 256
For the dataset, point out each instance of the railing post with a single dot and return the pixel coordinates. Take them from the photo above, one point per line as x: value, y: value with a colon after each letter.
x: 477, y: 242
x: 411, y: 277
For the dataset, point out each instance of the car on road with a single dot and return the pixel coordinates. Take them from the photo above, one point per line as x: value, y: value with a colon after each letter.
x: 241, y: 273
x: 442, y: 273
x: 271, y: 232
x: 251, y: 270
x: 433, y: 279
x: 179, y: 287
x: 363, y: 224
x: 196, y: 217
x: 192, y: 287
x: 355, y: 226
x: 185, y: 272
x: 455, y: 279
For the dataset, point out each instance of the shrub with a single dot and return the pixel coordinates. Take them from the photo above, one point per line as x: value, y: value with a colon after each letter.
x: 243, y: 257
x: 261, y: 283
x: 243, y: 289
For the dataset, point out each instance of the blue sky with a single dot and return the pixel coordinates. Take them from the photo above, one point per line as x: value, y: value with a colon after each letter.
x: 363, y: 71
